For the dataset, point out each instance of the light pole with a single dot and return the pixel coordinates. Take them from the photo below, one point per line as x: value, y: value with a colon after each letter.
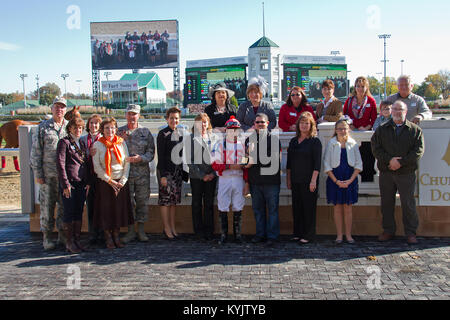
x: 37, y: 83
x: 64, y: 76
x: 79, y: 93
x: 384, y: 36
x: 401, y: 61
x: 107, y: 74
x: 23, y: 76
x: 379, y: 91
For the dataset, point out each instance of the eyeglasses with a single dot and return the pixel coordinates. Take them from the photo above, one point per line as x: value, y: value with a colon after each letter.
x: 341, y: 129
x: 296, y: 95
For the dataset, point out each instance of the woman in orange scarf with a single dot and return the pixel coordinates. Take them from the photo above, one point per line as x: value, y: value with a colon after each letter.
x: 112, y: 204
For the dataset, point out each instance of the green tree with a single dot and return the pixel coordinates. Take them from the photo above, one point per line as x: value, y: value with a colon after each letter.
x: 376, y: 87
x: 48, y: 93
x: 234, y: 101
x: 6, y: 98
x: 431, y: 92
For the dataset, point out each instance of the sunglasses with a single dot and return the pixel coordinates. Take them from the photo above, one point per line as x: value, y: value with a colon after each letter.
x: 260, y: 122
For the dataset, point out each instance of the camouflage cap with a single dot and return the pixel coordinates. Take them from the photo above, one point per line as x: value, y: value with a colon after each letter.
x: 134, y: 108
x: 60, y: 100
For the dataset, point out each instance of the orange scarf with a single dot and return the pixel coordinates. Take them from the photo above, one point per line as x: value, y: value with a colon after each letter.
x: 111, y: 145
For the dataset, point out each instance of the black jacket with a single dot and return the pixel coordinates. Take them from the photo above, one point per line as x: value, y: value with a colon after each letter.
x: 165, y: 145
x: 259, y: 173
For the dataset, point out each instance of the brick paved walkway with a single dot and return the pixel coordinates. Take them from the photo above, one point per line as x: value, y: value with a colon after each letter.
x: 190, y: 269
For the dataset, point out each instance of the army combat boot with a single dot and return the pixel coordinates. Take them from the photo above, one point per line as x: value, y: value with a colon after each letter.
x: 131, y: 234
x: 141, y: 233
x: 47, y: 241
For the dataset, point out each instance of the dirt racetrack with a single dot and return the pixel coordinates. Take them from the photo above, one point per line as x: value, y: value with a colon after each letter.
x: 10, y: 185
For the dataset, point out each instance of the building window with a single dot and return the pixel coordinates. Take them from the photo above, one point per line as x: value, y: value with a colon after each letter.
x: 264, y: 64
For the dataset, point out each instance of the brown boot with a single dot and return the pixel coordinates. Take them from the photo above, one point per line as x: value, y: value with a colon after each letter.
x: 116, y: 238
x: 411, y: 239
x: 108, y: 240
x: 77, y: 235
x: 70, y: 245
x: 385, y: 237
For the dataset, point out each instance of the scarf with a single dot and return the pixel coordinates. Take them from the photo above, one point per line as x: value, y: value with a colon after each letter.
x: 358, y: 111
x: 111, y: 145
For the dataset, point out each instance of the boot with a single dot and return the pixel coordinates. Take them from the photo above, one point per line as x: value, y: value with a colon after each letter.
x: 108, y: 240
x: 131, y: 234
x: 115, y: 235
x: 237, y: 224
x: 3, y: 163
x: 141, y: 233
x: 77, y: 235
x: 16, y: 164
x: 223, y: 227
x: 62, y: 240
x: 47, y: 241
x: 70, y: 245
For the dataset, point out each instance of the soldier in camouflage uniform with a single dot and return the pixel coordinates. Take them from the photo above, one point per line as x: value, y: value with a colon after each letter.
x: 141, y: 147
x: 43, y: 163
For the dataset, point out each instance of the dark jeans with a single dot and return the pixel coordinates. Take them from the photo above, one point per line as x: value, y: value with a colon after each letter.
x: 405, y: 185
x: 203, y: 206
x: 266, y: 196
x: 73, y: 206
x: 304, y: 206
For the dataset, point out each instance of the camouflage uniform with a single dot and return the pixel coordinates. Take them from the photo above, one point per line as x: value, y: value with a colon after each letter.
x: 139, y: 142
x: 43, y: 163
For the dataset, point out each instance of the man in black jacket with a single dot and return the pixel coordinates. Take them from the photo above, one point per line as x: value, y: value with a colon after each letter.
x: 264, y: 179
x: 398, y: 146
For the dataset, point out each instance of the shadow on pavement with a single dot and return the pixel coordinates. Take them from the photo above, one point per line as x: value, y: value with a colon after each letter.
x: 18, y: 244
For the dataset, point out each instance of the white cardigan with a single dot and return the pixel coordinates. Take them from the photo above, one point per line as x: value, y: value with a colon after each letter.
x: 332, y: 156
x: 118, y: 170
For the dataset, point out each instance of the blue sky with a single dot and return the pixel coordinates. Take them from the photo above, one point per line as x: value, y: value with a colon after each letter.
x: 35, y: 39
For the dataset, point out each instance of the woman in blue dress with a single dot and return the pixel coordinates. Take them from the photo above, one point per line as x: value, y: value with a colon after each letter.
x: 342, y: 164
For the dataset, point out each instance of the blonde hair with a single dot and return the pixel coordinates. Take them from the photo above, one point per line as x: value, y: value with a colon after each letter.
x: 201, y: 117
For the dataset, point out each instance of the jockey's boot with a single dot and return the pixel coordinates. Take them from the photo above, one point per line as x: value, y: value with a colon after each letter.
x: 223, y: 227
x: 237, y: 225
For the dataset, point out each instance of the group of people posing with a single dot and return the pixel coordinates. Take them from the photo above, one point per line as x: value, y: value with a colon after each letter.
x: 230, y: 152
x: 132, y: 49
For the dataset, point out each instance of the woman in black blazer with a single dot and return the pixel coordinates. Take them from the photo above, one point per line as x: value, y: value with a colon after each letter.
x: 72, y: 173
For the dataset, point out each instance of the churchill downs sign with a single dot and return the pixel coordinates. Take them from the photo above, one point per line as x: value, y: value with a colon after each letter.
x: 434, y: 171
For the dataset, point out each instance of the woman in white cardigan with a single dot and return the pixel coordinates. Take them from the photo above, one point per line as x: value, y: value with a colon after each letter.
x: 342, y: 163
x: 112, y: 204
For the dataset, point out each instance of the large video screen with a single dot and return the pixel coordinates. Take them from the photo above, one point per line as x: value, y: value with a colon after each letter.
x: 198, y: 81
x: 134, y: 45
x: 310, y: 77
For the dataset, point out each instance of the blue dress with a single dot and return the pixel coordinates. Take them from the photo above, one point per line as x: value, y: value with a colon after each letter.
x: 337, y: 195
